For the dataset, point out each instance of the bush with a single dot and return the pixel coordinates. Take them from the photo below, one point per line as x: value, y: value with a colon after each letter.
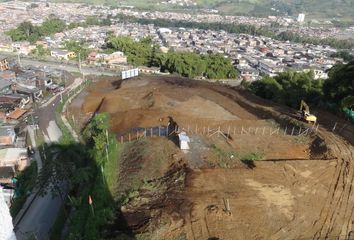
x: 25, y: 184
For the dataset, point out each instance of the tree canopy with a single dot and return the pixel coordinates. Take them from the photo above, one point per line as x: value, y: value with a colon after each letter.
x: 187, y: 64
x: 138, y: 53
x: 340, y: 83
x: 77, y: 47
x: 27, y: 31
x: 290, y: 87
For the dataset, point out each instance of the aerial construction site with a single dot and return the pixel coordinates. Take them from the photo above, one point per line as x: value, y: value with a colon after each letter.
x: 252, y: 170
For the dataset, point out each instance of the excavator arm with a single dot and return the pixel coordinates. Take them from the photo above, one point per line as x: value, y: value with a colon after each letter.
x: 305, y: 112
x: 304, y: 106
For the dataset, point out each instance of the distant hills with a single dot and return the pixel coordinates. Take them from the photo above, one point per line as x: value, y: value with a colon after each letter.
x: 322, y: 9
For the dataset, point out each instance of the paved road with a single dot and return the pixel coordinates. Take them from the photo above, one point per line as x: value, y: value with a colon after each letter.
x: 41, y: 215
x: 64, y: 66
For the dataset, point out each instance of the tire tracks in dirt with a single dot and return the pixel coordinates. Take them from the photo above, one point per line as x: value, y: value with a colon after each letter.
x: 337, y: 213
x: 336, y: 216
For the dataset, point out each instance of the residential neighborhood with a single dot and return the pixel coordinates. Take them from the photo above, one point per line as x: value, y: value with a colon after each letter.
x: 176, y: 119
x: 253, y: 56
x: 22, y: 89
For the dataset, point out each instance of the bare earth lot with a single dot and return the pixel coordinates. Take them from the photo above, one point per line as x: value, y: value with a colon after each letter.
x: 299, y: 187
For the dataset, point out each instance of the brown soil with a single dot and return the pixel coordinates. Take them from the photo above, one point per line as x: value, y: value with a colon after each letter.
x: 302, y: 191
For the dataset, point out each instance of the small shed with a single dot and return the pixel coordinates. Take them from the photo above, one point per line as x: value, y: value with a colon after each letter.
x: 183, y: 141
x: 7, y: 135
x: 15, y: 157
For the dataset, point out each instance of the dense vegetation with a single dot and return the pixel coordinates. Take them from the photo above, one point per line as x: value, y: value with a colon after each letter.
x: 40, y: 51
x: 290, y: 87
x: 91, y: 21
x: 79, y: 48
x: 25, y: 183
x: 27, y: 31
x: 88, y: 169
x: 340, y: 84
x: 144, y: 52
x: 345, y: 55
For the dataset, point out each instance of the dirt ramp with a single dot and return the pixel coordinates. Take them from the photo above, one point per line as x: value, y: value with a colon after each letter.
x: 320, y: 150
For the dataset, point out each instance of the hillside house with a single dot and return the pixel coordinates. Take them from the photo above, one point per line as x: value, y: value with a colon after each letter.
x: 5, y: 86
x: 6, y: 174
x: 14, y: 157
x: 23, y: 47
x: 6, y: 47
x: 116, y: 58
x: 62, y: 54
x: 183, y: 141
x: 7, y: 135
x: 4, y: 64
x: 249, y: 74
x: 269, y: 68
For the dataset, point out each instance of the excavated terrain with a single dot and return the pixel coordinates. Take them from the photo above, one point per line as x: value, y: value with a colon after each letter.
x: 239, y: 180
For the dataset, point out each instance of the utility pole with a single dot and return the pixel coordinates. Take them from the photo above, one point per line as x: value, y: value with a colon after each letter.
x: 107, y: 145
x: 63, y: 78
x: 18, y: 59
x: 80, y: 63
x: 107, y: 137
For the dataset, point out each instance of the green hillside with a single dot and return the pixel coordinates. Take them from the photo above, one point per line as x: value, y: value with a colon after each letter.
x: 341, y: 9
x: 312, y: 8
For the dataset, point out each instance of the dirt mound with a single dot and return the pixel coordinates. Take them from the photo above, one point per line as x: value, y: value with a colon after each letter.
x: 142, y: 102
x: 145, y: 160
x: 320, y: 150
x: 154, y: 201
x: 287, y: 192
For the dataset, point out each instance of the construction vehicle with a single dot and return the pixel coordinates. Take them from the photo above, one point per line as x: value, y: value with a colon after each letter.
x: 305, y: 113
x: 348, y: 107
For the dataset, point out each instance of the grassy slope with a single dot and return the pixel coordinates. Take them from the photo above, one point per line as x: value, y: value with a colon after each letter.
x: 312, y: 8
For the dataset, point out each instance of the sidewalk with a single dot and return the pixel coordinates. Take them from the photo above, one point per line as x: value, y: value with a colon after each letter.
x: 39, y: 213
x: 31, y: 131
x: 77, y: 83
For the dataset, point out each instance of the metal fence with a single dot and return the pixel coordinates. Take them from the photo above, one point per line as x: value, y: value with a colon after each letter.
x: 225, y: 131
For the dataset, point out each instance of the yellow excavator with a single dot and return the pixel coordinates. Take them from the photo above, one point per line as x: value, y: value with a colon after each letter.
x: 305, y: 113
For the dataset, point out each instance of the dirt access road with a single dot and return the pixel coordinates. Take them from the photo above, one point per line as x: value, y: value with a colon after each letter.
x: 303, y: 188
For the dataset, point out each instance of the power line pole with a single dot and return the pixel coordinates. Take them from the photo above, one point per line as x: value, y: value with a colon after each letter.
x: 18, y: 59
x: 80, y: 63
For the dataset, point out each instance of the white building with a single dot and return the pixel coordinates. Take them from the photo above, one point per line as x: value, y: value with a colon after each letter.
x: 269, y: 68
x: 301, y: 18
x: 183, y: 141
x: 5, y: 220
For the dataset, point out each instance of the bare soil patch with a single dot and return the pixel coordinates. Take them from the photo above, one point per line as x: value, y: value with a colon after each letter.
x: 302, y: 191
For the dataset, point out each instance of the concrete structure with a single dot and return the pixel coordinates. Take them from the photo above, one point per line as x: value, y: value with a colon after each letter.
x: 6, y: 174
x: 14, y: 157
x: 269, y: 68
x: 4, y: 64
x: 300, y: 18
x: 183, y: 141
x: 7, y: 135
x: 62, y: 54
x: 116, y: 58
x: 6, y: 232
